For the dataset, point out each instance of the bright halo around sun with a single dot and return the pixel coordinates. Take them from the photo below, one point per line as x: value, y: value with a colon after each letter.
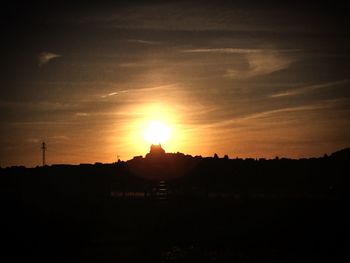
x: 157, y: 132
x: 153, y: 123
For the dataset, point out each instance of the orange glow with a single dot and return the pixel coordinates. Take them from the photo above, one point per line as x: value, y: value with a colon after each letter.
x: 157, y: 132
x: 154, y: 124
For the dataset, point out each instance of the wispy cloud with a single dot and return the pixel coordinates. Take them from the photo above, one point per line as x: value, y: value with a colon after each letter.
x: 142, y: 64
x: 189, y: 16
x: 114, y: 93
x: 132, y: 65
x: 81, y: 114
x: 305, y: 89
x: 45, y: 57
x: 272, y: 113
x: 238, y: 50
x: 137, y: 90
x: 145, y: 42
x: 250, y: 62
x: 33, y: 140
x: 59, y: 137
x: 38, y: 106
x: 50, y: 138
x: 313, y: 107
x: 260, y: 63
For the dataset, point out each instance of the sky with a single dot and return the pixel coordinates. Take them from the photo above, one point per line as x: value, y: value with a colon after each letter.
x: 228, y: 77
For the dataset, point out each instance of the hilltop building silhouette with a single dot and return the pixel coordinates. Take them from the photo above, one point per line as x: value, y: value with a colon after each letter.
x: 156, y: 151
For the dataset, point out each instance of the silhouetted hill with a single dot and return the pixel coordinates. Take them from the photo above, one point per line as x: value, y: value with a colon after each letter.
x: 343, y: 154
x: 187, y: 175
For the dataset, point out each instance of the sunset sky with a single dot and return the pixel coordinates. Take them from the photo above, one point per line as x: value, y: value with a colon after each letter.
x: 248, y: 80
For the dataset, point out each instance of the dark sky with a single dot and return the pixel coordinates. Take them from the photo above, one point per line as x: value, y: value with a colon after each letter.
x: 244, y: 79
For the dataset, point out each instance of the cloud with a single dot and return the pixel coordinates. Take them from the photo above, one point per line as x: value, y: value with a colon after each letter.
x: 260, y: 63
x: 38, y: 105
x: 59, y: 137
x: 237, y: 50
x: 45, y: 57
x: 305, y: 89
x: 146, y: 42
x: 273, y: 113
x: 81, y: 114
x: 114, y: 93
x: 138, y: 90
x: 302, y: 108
x: 33, y: 140
x: 111, y: 94
x: 189, y: 16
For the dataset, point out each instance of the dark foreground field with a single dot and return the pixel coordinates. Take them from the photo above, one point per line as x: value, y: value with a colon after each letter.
x: 218, y: 210
x: 202, y: 230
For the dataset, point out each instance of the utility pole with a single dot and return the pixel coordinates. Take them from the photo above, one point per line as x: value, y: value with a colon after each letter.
x: 43, y: 148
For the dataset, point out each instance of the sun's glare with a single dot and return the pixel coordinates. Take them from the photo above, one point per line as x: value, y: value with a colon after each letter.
x: 153, y: 123
x: 157, y: 132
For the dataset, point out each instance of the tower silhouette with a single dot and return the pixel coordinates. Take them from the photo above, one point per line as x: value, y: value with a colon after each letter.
x: 43, y: 148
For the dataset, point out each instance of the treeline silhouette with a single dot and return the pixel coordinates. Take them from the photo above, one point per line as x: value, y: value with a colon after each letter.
x: 215, y: 210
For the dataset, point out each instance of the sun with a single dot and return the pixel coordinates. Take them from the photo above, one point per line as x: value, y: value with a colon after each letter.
x: 153, y: 123
x: 157, y: 132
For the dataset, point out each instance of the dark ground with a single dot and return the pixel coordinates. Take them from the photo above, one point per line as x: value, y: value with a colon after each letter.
x: 176, y: 231
x: 221, y: 210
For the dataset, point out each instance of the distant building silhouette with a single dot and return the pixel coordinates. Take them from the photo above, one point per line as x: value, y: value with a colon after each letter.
x: 156, y: 151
